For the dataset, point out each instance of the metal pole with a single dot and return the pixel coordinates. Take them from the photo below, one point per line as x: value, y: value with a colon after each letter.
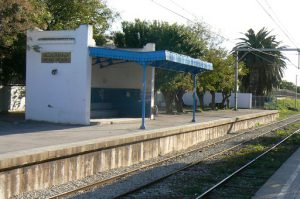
x: 296, y: 80
x: 236, y: 82
x: 194, y: 97
x: 152, y: 94
x: 296, y: 92
x: 298, y: 60
x: 144, y: 87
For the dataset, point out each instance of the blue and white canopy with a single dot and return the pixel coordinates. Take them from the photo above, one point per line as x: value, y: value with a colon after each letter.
x: 161, y: 59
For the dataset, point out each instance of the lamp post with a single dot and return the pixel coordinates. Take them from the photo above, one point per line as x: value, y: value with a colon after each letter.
x: 296, y: 91
x: 236, y: 81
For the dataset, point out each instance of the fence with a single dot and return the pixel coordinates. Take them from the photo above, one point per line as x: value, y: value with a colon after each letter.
x: 285, y: 93
x: 266, y: 102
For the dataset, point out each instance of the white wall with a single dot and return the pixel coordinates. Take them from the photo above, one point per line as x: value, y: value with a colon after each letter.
x: 124, y: 75
x: 244, y: 99
x: 64, y: 97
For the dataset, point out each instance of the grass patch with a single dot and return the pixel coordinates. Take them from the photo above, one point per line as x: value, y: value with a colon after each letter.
x: 286, y: 107
x: 229, y: 162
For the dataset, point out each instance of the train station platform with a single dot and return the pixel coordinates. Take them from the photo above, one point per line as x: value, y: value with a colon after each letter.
x: 37, y: 155
x: 284, y: 183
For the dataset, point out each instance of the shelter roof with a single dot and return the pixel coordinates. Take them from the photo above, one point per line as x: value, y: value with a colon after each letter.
x: 161, y: 59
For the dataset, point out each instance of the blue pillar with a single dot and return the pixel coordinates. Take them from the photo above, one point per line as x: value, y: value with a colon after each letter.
x: 194, y: 97
x: 144, y: 87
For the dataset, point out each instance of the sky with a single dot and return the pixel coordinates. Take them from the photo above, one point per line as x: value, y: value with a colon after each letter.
x: 230, y: 18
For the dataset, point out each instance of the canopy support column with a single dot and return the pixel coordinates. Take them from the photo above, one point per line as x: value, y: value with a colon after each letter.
x: 144, y: 88
x: 194, y: 97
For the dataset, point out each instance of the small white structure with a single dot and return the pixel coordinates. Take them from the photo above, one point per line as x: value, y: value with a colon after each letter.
x: 62, y: 81
x: 244, y: 99
x: 58, y: 75
x: 65, y: 84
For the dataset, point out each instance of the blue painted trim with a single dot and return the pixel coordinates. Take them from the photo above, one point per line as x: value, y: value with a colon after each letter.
x: 162, y: 59
x: 194, y: 97
x: 127, y: 101
x: 144, y: 87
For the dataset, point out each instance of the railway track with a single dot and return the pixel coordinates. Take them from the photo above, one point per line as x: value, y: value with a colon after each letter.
x: 264, y: 130
x: 240, y: 172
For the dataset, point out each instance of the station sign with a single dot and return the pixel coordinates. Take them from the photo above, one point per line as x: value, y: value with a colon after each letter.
x: 56, y: 57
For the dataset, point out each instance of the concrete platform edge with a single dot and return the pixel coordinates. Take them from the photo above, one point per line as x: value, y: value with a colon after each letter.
x: 62, y: 150
x: 285, y: 182
x: 40, y: 168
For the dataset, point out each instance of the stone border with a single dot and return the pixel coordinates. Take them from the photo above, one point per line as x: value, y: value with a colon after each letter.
x: 41, y: 168
x: 31, y: 156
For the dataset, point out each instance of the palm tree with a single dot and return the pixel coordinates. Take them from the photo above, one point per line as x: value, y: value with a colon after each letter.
x: 265, y: 68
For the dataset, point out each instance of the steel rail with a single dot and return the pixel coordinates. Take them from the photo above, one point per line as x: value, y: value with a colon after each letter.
x: 114, y: 178
x: 246, y: 165
x: 197, y: 162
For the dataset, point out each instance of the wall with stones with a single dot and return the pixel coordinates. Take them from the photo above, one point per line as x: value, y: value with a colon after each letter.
x: 12, y: 98
x: 46, y: 167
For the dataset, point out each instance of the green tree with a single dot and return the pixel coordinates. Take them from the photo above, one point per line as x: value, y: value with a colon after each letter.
x: 173, y: 85
x: 265, y: 68
x: 17, y: 16
x: 15, y: 19
x: 71, y: 13
x: 287, y: 85
x: 173, y: 37
x: 221, y: 79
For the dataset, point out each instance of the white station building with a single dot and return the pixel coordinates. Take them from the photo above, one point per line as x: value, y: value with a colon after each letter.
x: 71, y: 80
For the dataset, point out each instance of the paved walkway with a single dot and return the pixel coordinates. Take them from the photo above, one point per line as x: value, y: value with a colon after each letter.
x: 285, y: 183
x: 22, y: 135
